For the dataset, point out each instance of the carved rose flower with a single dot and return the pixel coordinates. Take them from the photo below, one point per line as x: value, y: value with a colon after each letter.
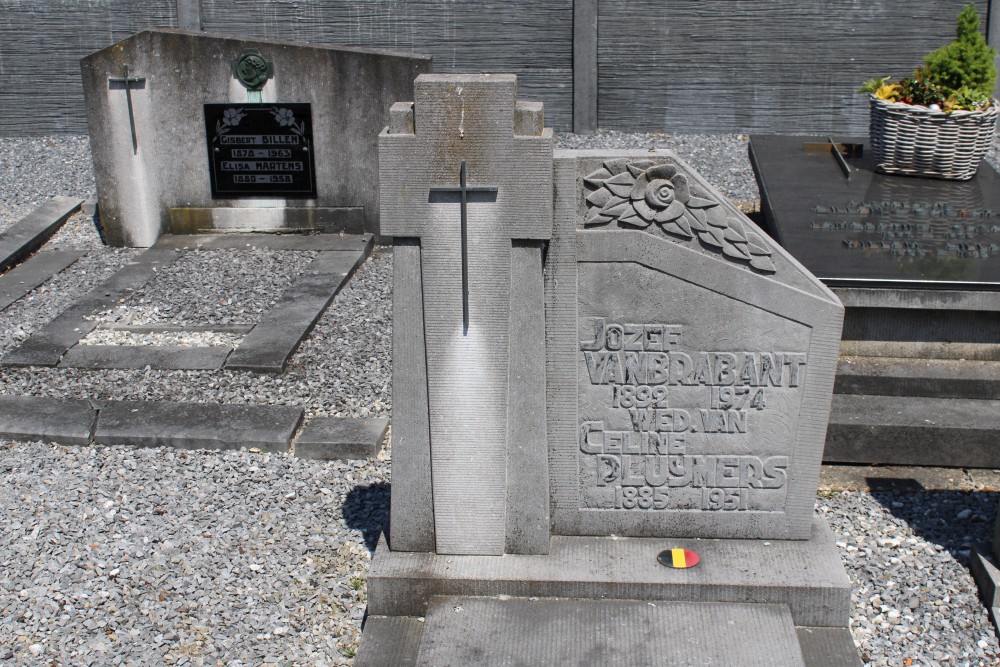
x: 638, y: 194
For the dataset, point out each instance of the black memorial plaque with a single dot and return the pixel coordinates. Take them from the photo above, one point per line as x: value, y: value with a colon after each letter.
x: 873, y: 230
x: 260, y: 150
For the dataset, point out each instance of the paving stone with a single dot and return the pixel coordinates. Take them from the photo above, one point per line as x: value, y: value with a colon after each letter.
x: 60, y: 420
x: 269, y: 345
x: 197, y: 425
x: 171, y: 357
x: 47, y: 345
x: 33, y: 272
x: 329, y: 438
x: 481, y: 632
x: 22, y: 238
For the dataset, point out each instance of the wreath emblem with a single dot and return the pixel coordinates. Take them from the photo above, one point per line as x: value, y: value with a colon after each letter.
x: 638, y: 194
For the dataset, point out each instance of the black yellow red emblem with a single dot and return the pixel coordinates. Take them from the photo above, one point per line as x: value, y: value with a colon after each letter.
x: 680, y: 559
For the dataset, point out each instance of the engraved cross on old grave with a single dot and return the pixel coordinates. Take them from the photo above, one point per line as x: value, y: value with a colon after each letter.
x: 466, y: 192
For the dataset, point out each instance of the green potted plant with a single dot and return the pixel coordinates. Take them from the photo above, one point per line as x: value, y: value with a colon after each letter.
x: 940, y: 122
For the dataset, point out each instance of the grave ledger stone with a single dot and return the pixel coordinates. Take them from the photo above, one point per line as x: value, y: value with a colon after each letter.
x: 193, y: 132
x: 597, y: 359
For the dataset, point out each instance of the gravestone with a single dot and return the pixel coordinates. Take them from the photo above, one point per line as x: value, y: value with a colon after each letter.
x: 192, y: 132
x: 916, y: 264
x: 610, y: 399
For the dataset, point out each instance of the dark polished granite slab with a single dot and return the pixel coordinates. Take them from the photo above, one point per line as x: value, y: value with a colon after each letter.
x: 873, y: 230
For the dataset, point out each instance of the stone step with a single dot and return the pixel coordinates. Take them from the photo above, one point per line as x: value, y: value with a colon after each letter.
x: 936, y: 378
x: 482, y: 632
x: 913, y: 430
x: 804, y: 575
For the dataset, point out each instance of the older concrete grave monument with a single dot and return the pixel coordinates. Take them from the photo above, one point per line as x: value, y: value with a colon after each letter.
x: 193, y: 132
x: 610, y: 400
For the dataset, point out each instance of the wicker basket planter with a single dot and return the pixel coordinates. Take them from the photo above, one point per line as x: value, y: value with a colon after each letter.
x: 912, y: 140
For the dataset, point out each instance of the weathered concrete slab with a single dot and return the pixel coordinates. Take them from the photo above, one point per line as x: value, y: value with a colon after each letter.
x: 167, y: 357
x: 318, y: 242
x: 33, y: 272
x: 328, y: 220
x: 47, y: 345
x: 911, y: 430
x: 936, y: 378
x: 59, y: 420
x: 27, y: 235
x: 606, y: 632
x: 269, y: 345
x: 390, y: 641
x: 897, y: 478
x: 197, y: 425
x: 828, y: 647
x: 987, y: 576
x: 806, y: 575
x: 329, y: 438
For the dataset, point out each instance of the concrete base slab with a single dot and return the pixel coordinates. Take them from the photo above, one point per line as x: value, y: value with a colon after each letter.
x: 390, y: 641
x: 65, y: 421
x: 933, y: 378
x: 197, y: 425
x: 27, y: 235
x: 911, y: 431
x: 325, y: 219
x: 33, y: 272
x: 483, y: 632
x: 329, y: 438
x: 473, y: 631
x: 805, y: 575
x: 828, y: 646
x: 168, y: 357
x: 987, y: 575
x: 317, y: 242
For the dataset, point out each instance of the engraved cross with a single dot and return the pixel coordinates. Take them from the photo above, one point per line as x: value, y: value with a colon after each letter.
x: 466, y: 194
x: 128, y: 82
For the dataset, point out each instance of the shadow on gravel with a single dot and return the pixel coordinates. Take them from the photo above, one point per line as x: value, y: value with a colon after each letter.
x: 366, y: 508
x: 956, y: 520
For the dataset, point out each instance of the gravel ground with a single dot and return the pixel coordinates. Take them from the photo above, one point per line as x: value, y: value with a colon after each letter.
x: 147, y: 557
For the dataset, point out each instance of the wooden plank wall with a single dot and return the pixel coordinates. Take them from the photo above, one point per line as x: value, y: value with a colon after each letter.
x: 41, y: 44
x: 530, y: 38
x: 661, y: 65
x: 783, y: 66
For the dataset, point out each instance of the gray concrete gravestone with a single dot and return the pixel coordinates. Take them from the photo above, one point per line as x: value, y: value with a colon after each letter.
x: 598, y: 361
x: 160, y: 163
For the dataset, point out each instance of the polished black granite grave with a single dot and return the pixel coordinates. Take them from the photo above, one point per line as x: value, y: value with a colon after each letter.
x: 873, y: 230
